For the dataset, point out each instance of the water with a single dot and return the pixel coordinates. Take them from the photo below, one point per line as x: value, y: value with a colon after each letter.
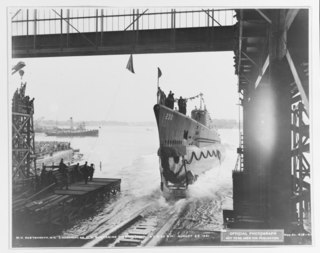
x: 130, y: 153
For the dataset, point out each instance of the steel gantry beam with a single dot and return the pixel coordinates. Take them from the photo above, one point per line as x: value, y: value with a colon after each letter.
x: 153, y: 41
x: 138, y: 31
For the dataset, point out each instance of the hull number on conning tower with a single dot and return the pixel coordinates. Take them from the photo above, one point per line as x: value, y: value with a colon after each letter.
x: 168, y: 116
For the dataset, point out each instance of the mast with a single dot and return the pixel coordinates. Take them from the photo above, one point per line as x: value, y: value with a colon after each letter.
x: 158, y: 87
x: 71, y: 123
x: 201, y: 100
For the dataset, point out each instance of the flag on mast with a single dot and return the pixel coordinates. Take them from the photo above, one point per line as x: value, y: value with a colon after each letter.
x: 158, y: 88
x: 159, y: 72
x: 130, y: 64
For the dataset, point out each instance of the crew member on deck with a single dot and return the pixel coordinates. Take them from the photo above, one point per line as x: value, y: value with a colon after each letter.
x: 91, y: 171
x: 167, y: 101
x: 161, y: 97
x: 182, y: 105
x: 63, y: 169
x: 170, y: 100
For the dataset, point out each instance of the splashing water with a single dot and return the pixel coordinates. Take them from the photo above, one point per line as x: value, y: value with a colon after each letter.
x: 133, y: 158
x: 216, y: 181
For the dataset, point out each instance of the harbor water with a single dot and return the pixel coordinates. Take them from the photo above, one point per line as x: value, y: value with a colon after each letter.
x: 130, y: 153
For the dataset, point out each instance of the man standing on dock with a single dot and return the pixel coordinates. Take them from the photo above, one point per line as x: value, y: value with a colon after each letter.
x: 91, y: 171
x: 77, y: 173
x: 85, y: 172
x: 63, y: 169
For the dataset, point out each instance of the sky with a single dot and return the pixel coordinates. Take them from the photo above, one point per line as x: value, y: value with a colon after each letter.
x: 101, y: 88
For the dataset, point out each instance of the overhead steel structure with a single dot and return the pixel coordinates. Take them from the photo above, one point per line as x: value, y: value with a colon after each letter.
x: 23, y: 146
x: 272, y: 190
x: 89, y: 31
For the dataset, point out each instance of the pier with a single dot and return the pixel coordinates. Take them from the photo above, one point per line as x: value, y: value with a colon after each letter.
x: 44, y: 209
x: 53, y: 207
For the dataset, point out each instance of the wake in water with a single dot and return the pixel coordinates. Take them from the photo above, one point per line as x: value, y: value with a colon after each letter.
x: 207, y: 198
x: 141, y: 186
x: 216, y: 181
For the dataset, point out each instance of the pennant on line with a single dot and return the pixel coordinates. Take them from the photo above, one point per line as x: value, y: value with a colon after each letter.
x: 18, y: 67
x: 159, y: 72
x: 130, y: 64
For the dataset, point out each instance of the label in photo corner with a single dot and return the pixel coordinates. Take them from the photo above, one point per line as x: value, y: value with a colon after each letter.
x: 252, y: 235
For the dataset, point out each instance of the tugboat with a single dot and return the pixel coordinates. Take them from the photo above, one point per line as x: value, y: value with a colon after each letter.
x: 81, y: 131
x: 189, y: 146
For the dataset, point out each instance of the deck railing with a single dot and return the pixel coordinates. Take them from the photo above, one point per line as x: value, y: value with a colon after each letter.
x: 82, y: 20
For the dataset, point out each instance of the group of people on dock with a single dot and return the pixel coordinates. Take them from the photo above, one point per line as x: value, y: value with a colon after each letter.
x: 169, y: 101
x: 48, y: 147
x: 66, y: 175
x: 85, y: 171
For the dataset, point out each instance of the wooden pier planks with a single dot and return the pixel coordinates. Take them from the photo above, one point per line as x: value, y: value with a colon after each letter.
x: 61, y: 195
x: 61, y: 206
x: 55, y: 202
x: 80, y: 188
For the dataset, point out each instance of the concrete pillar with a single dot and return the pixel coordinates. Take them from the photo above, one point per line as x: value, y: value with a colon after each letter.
x: 267, y: 136
x: 279, y: 172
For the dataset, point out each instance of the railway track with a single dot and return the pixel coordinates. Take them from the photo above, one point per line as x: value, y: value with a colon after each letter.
x: 147, y: 227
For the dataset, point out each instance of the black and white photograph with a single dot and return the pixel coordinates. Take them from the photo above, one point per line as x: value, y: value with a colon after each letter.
x: 160, y: 126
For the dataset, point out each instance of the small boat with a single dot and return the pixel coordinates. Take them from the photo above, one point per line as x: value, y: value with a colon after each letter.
x: 81, y: 131
x: 72, y: 133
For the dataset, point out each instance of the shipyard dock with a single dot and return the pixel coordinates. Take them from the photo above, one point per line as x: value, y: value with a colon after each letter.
x: 44, y: 209
x: 53, y: 206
